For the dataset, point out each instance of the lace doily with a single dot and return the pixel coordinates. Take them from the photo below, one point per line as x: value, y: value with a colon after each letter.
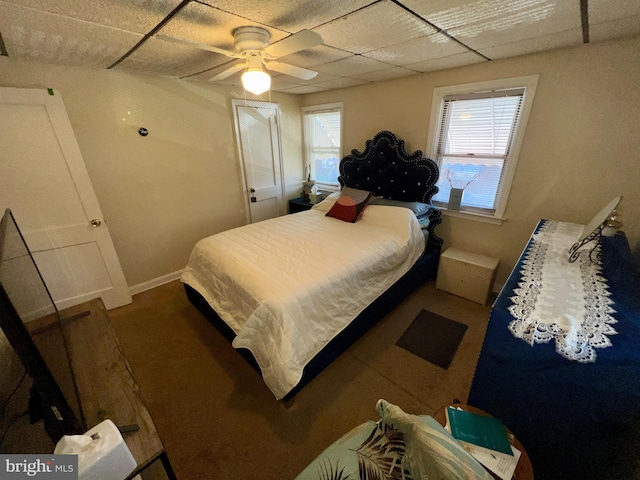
x: 561, y: 301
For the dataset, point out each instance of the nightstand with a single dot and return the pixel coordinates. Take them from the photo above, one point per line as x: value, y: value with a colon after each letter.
x: 299, y: 205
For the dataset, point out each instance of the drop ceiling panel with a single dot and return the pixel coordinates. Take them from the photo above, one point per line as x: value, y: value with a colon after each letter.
x: 138, y: 16
x: 282, y: 82
x: 290, y: 15
x: 374, y: 27
x: 623, y: 27
x: 417, y: 50
x: 490, y: 23
x: 606, y: 10
x: 364, y: 40
x: 339, y: 83
x: 48, y: 38
x: 201, y: 23
x: 304, y: 90
x: 452, y: 61
x: 315, y: 56
x: 351, y: 66
x: 165, y: 58
x: 568, y: 38
x: 206, y: 74
x: 386, y: 74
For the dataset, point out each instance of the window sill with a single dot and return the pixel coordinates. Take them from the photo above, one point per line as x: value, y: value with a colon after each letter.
x: 473, y: 216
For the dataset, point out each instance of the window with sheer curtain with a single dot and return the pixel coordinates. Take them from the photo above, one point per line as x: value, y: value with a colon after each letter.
x: 322, y: 136
x: 476, y: 140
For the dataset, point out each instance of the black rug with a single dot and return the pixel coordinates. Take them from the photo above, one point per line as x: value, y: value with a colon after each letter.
x: 434, y: 338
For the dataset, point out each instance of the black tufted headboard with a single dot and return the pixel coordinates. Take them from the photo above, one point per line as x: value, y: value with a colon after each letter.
x: 386, y: 169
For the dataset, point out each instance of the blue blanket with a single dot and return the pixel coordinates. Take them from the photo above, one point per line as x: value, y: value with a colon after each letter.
x: 576, y: 420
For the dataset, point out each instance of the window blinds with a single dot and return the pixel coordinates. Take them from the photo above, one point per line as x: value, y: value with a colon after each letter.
x: 322, y: 137
x: 475, y: 135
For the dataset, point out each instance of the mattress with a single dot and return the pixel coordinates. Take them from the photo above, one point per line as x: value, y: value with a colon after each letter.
x: 288, y: 285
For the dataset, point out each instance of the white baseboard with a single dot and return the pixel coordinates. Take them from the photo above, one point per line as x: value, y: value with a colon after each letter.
x: 156, y: 282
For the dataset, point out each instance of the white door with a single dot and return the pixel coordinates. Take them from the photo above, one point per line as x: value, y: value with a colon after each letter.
x: 44, y: 181
x: 258, y: 136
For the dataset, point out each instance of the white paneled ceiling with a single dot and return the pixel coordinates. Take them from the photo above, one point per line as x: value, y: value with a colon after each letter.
x: 364, y: 41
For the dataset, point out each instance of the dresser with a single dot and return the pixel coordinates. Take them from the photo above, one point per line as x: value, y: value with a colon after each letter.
x: 572, y: 398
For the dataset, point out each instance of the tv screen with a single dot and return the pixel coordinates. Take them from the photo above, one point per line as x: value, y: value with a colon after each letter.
x: 36, y: 380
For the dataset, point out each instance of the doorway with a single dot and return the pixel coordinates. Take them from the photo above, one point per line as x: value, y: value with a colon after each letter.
x: 257, y: 126
x: 45, y: 183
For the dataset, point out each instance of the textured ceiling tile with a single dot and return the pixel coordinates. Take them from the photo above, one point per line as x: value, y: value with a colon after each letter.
x: 203, y: 24
x: 304, y: 90
x: 284, y: 81
x: 386, y: 74
x: 443, y: 63
x: 132, y: 15
x: 624, y: 27
x: 340, y: 83
x: 607, y: 10
x: 417, y: 50
x: 374, y: 27
x: 321, y: 77
x: 290, y: 15
x: 34, y: 35
x: 351, y: 66
x: 315, y: 56
x: 569, y: 38
x: 212, y: 72
x: 488, y: 23
x: 166, y: 58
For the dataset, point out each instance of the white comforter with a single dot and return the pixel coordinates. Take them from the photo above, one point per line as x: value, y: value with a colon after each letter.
x: 288, y: 285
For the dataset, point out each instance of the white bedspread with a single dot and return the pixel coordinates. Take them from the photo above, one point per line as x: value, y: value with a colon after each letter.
x: 288, y: 285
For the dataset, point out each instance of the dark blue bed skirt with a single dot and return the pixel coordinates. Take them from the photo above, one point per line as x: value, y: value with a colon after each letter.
x: 576, y: 420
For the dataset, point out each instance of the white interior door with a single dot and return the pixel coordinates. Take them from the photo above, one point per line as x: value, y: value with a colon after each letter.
x: 258, y: 136
x: 44, y: 181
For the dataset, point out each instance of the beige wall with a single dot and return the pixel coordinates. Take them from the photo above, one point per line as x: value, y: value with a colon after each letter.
x: 581, y: 147
x: 160, y: 193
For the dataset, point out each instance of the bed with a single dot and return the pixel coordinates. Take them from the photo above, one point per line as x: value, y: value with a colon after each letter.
x: 292, y: 293
x: 573, y: 399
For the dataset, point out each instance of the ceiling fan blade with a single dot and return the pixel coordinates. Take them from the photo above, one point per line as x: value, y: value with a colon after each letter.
x: 201, y: 46
x: 292, y: 70
x: 294, y: 43
x: 228, y: 72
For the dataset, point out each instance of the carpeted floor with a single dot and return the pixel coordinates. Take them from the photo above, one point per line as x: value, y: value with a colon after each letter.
x: 218, y: 420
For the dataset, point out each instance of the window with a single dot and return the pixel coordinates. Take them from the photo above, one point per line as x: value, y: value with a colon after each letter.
x: 322, y: 134
x: 476, y: 132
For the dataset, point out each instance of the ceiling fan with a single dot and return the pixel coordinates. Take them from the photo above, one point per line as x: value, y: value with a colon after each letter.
x: 252, y: 45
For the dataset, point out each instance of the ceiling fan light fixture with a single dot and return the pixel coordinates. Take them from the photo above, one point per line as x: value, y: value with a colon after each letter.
x: 256, y: 81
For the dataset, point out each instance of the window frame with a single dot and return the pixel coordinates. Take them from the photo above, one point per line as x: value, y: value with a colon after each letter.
x: 326, y: 107
x: 529, y: 83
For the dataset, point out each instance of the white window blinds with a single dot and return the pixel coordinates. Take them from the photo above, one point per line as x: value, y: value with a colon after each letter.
x: 322, y: 142
x: 476, y: 132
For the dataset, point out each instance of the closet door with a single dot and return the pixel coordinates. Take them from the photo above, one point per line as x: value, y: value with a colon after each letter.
x: 44, y: 181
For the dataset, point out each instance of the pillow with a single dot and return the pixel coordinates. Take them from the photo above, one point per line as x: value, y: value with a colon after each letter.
x: 404, y: 445
x: 350, y: 204
x: 418, y: 208
x: 326, y: 204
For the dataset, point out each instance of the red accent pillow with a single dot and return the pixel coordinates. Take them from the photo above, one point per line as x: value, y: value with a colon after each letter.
x: 350, y: 204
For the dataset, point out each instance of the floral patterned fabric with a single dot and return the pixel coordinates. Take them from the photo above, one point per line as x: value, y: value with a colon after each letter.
x: 398, y: 446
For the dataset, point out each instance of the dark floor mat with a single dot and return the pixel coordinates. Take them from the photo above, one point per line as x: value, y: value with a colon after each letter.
x: 433, y: 338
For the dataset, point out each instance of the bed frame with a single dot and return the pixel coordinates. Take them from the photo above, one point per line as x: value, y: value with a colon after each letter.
x: 384, y: 167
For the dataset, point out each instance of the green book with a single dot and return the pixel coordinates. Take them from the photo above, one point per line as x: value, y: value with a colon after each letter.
x: 482, y: 430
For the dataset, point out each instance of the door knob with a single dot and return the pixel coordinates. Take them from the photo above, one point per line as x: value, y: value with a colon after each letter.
x: 96, y: 222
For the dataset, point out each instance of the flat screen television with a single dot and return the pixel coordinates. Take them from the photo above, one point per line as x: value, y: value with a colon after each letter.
x: 35, y: 374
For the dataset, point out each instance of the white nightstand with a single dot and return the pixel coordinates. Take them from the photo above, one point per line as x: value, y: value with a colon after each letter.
x: 467, y: 275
